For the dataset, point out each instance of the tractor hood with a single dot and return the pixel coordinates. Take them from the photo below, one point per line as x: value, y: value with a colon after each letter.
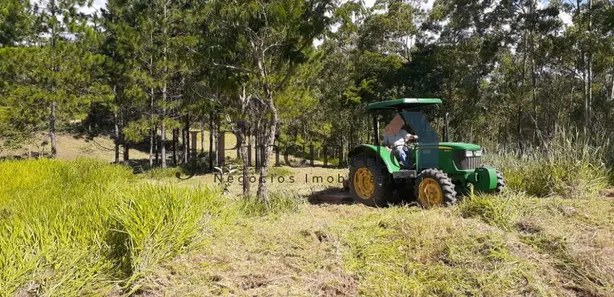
x: 449, y: 145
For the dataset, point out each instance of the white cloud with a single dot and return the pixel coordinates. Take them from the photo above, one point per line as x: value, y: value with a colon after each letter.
x: 99, y: 3
x: 566, y: 18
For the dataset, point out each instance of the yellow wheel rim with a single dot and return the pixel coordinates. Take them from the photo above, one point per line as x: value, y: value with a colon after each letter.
x: 430, y: 193
x: 364, y: 183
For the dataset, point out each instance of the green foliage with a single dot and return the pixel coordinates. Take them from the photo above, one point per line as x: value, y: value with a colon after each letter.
x: 15, y: 21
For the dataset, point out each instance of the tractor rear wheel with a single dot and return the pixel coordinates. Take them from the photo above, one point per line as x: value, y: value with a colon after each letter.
x: 369, y: 181
x: 500, y: 183
x: 434, y: 188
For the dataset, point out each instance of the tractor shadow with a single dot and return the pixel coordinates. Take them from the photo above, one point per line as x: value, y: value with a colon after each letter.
x: 340, y: 196
x: 332, y: 196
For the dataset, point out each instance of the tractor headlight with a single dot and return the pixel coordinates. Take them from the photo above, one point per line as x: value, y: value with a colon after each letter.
x: 470, y: 154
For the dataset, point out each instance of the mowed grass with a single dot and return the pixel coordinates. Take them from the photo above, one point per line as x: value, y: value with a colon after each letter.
x: 85, y: 228
x: 486, y: 246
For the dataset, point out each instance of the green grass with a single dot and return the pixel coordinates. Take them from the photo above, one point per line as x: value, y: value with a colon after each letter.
x: 275, y: 172
x: 69, y: 229
x: 161, y: 173
x: 88, y: 228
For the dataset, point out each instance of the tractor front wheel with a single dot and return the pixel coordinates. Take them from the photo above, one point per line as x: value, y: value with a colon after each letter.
x: 434, y: 188
x: 369, y: 181
x: 500, y: 183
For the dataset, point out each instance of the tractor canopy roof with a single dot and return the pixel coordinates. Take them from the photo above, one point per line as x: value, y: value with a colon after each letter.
x: 405, y: 103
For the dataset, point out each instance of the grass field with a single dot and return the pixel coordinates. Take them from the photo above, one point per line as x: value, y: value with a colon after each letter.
x: 85, y: 228
x: 71, y: 147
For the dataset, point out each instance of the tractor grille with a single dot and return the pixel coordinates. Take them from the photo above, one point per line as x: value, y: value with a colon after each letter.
x: 464, y: 163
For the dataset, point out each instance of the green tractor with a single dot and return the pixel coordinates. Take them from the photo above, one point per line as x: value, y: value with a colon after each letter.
x: 439, y: 172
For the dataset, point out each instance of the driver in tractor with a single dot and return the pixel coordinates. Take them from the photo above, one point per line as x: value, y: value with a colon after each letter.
x: 396, y: 139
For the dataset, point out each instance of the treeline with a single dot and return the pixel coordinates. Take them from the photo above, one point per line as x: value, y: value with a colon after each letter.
x: 511, y: 73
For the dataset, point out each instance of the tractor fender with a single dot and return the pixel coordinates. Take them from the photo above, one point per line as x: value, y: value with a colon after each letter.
x: 391, y: 162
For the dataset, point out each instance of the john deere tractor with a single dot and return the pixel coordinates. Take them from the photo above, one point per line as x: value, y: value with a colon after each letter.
x: 439, y: 172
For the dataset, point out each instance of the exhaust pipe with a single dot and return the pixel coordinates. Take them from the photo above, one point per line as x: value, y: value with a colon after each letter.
x: 446, y: 131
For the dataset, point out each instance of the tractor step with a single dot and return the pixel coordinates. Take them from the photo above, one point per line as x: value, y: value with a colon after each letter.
x: 404, y: 174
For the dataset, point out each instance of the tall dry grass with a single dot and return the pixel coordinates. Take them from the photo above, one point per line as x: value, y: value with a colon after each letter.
x: 570, y: 165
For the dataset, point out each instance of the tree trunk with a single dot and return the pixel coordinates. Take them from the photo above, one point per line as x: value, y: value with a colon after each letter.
x: 164, y: 97
x: 151, y: 118
x: 125, y: 142
x: 175, y: 143
x: 590, y: 68
x: 126, y: 151
x: 202, y: 136
x: 163, y: 127
x: 151, y: 148
x: 258, y: 146
x: 245, y: 174
x: 519, y: 128
x: 269, y: 141
x: 163, y: 144
x: 586, y: 100
x: 183, y: 141
x: 218, y: 146
x: 52, y: 116
x: 156, y: 146
x: 116, y: 136
x: 52, y: 136
x: 211, y: 141
x: 187, y: 139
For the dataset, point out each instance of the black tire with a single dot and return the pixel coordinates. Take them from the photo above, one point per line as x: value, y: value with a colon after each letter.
x: 500, y: 183
x: 381, y: 180
x: 446, y: 187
